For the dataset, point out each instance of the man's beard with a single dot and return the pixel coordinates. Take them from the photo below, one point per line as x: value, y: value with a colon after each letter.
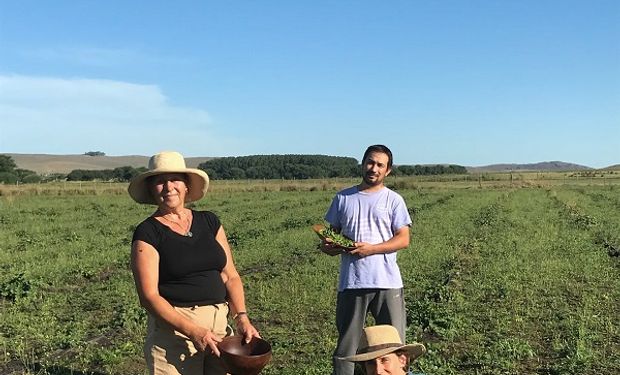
x: 367, y: 179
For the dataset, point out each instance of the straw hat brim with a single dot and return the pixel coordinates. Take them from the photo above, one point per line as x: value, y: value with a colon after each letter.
x: 198, y: 184
x: 413, y: 352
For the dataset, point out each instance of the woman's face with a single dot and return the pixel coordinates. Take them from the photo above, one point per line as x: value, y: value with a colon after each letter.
x: 169, y: 189
x: 392, y: 364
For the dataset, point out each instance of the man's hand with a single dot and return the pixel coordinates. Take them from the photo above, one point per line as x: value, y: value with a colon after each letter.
x: 329, y: 248
x: 363, y: 249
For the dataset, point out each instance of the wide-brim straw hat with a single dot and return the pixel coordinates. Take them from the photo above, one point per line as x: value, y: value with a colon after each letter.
x: 168, y: 162
x: 380, y: 340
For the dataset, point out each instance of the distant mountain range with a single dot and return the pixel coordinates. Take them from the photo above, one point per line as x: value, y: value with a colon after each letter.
x: 547, y: 166
x: 46, y: 164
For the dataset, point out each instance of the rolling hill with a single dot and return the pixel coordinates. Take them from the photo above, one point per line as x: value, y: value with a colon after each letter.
x: 47, y: 164
x: 547, y: 166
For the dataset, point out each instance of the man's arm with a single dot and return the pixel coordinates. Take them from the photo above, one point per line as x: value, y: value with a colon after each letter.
x: 398, y: 242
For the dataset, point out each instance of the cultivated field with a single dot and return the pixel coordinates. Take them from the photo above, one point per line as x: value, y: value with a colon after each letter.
x: 510, y: 275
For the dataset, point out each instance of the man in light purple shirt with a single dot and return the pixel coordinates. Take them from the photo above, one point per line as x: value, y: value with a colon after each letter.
x: 376, y: 218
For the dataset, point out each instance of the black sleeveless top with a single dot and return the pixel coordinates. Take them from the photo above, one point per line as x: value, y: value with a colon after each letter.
x: 189, y: 267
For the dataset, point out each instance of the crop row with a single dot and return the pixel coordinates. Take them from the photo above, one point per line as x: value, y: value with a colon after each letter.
x: 497, y: 281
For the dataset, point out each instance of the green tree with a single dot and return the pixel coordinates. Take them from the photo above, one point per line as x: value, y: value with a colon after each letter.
x: 281, y: 166
x: 125, y: 173
x: 23, y: 173
x: 8, y: 178
x: 31, y: 179
x: 237, y: 173
x: 7, y: 164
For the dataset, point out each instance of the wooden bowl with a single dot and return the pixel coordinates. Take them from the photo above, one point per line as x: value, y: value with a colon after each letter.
x: 317, y: 228
x: 241, y: 358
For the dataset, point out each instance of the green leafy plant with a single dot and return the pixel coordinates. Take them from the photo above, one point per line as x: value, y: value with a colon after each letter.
x: 16, y: 287
x: 337, y: 238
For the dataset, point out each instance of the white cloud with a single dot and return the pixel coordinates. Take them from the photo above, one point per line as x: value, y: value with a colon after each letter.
x: 54, y: 115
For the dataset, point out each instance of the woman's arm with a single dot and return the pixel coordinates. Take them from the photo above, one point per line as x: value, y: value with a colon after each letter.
x: 145, y: 268
x: 234, y: 287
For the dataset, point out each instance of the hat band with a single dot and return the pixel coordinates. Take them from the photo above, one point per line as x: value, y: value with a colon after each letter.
x: 373, y: 348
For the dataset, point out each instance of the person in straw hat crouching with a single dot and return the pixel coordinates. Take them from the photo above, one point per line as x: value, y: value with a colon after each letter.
x: 381, y: 351
x: 184, y: 272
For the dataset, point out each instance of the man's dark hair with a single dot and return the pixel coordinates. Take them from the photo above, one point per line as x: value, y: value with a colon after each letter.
x: 379, y: 148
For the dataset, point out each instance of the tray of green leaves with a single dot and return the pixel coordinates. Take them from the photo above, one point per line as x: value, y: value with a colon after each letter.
x: 331, y: 236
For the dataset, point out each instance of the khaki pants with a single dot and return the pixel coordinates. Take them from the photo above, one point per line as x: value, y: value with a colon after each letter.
x: 168, y: 352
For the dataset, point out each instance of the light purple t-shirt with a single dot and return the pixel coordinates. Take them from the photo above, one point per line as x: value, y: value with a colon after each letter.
x: 373, y: 218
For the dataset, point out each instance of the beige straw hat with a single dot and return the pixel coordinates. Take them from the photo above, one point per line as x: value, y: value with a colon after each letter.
x: 169, y: 162
x: 380, y: 340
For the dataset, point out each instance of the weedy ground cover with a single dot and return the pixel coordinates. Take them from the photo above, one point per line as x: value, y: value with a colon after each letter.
x: 498, y: 280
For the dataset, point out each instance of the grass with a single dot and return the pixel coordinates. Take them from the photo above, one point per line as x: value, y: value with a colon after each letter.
x: 510, y: 278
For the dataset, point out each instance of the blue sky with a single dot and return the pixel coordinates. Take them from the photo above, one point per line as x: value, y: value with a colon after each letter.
x: 469, y: 82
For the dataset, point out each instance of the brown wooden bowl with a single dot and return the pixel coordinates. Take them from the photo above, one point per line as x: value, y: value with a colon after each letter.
x: 241, y: 358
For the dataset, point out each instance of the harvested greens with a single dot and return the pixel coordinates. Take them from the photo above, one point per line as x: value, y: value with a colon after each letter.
x: 337, y: 238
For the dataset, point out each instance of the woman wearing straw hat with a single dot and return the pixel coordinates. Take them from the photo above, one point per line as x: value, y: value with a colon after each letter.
x: 184, y: 271
x: 381, y: 351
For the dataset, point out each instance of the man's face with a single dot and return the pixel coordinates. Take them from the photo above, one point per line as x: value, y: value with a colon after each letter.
x: 391, y: 364
x: 375, y: 168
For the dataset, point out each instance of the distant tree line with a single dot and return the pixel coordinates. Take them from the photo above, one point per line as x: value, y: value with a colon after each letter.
x: 286, y: 167
x: 10, y: 174
x: 280, y: 167
x: 425, y: 170
x: 120, y: 174
x: 94, y: 153
x: 305, y: 167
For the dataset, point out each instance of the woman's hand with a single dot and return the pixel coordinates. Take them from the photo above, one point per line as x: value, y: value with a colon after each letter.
x: 246, y: 328
x: 204, y: 338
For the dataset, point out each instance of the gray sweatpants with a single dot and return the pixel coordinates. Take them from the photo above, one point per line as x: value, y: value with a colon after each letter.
x: 387, y: 306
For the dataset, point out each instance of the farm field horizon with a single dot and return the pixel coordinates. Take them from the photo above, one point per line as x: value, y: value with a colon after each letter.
x: 504, y: 275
